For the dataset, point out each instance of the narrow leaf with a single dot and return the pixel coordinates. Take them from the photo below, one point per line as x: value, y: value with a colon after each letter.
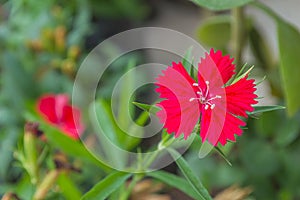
x: 223, y: 155
x: 187, y: 60
x: 289, y: 40
x: 260, y: 48
x: 288, y: 43
x: 106, y: 131
x: 107, y: 186
x: 261, y: 109
x: 220, y: 4
x: 125, y: 95
x: 242, y: 76
x: 149, y: 108
x: 65, y: 143
x: 67, y: 187
x: 74, y: 148
x: 176, y: 182
x: 260, y: 81
x: 190, y: 175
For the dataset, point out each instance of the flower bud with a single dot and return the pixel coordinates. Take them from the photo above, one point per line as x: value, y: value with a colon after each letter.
x: 30, y: 150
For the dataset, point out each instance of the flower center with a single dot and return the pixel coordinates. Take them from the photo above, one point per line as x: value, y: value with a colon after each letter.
x: 204, y: 97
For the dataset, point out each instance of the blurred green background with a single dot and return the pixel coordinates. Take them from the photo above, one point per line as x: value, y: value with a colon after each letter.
x: 42, y: 44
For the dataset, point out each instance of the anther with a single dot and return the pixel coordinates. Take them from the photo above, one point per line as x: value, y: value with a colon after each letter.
x: 192, y: 99
x: 195, y: 84
x: 215, y: 97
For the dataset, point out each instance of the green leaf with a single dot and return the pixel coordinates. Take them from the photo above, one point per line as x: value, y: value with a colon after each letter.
x: 215, y: 31
x: 65, y: 143
x: 149, y: 108
x: 106, y: 131
x: 261, y: 109
x: 176, y: 182
x: 137, y: 129
x: 262, y: 164
x: 187, y: 60
x: 107, y: 186
x: 289, y: 40
x: 260, y: 48
x: 243, y: 74
x: 81, y: 22
x: 288, y: 43
x: 125, y: 92
x: 103, y: 113
x: 112, y: 129
x: 223, y: 155
x: 8, y: 140
x: 23, y: 187
x: 220, y: 4
x: 67, y: 187
x: 190, y: 175
x: 288, y: 131
x: 70, y: 146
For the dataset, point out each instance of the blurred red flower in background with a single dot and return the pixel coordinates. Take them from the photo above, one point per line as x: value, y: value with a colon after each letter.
x: 55, y: 110
x: 186, y: 101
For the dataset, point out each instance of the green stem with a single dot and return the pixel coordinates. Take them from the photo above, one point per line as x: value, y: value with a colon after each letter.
x: 149, y: 160
x: 126, y: 194
x: 46, y: 185
x: 162, y: 145
x: 30, y: 151
x: 238, y: 34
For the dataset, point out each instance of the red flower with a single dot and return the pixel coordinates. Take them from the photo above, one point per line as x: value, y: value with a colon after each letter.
x: 219, y: 105
x: 55, y: 110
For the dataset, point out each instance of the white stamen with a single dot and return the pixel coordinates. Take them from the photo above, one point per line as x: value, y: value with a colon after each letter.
x: 206, y: 106
x: 204, y: 98
x: 207, y: 88
x: 216, y: 97
x: 192, y: 99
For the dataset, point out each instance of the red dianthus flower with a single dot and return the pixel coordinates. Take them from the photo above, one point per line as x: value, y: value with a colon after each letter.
x: 217, y: 104
x: 56, y: 111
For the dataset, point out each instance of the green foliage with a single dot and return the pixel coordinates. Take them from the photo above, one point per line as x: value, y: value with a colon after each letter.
x: 187, y: 61
x: 261, y: 109
x: 266, y: 160
x: 67, y: 144
x: 215, y: 31
x: 149, y: 108
x: 190, y: 175
x: 260, y: 48
x: 115, y: 9
x: 68, y: 188
x: 106, y: 186
x: 288, y: 38
x: 220, y: 5
x: 27, y: 37
x: 42, y: 46
x: 70, y: 146
x: 176, y: 182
